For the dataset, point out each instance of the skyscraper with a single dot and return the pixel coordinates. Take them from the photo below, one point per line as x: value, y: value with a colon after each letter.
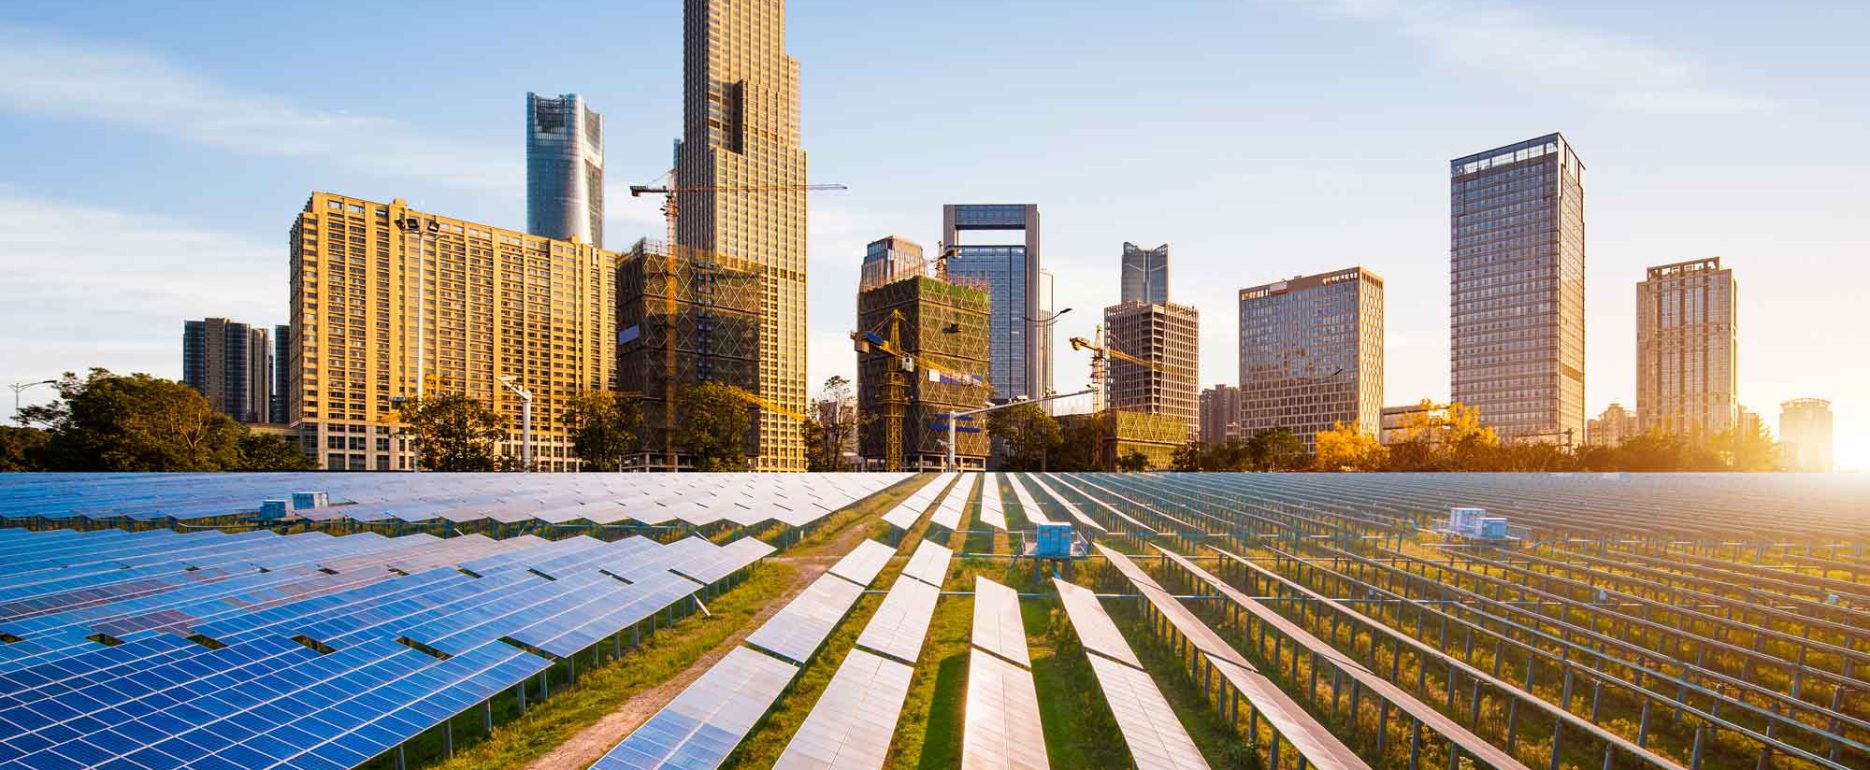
x: 390, y: 304
x: 1805, y: 434
x: 1043, y: 325
x: 740, y: 117
x: 944, y: 325
x: 282, y: 371
x: 1687, y: 348
x: 1517, y: 288
x: 231, y: 364
x: 1168, y: 337
x: 892, y: 258
x: 564, y: 169
x: 1220, y: 415
x: 1311, y: 354
x: 1012, y: 275
x: 1145, y: 274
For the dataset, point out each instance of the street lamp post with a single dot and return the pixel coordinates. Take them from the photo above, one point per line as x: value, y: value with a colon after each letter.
x: 21, y: 387
x: 1046, y: 324
x: 525, y: 420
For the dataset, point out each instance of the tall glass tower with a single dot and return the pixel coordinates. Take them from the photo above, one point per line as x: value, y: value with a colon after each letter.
x: 564, y: 169
x: 740, y: 118
x: 1010, y: 270
x: 1146, y: 274
x: 1517, y: 287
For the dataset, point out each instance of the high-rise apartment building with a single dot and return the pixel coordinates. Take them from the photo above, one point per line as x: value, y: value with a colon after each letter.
x: 564, y: 169
x: 1145, y: 274
x: 390, y: 303
x: 892, y: 258
x: 1167, y: 336
x: 1687, y: 348
x: 1613, y: 427
x: 232, y: 365
x: 1517, y: 288
x: 1220, y: 415
x: 1311, y: 354
x: 282, y: 374
x: 740, y: 138
x: 1011, y: 272
x: 1805, y: 434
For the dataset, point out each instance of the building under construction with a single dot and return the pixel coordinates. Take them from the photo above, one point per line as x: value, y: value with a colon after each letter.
x: 941, y: 331
x: 1158, y: 374
x: 682, y: 319
x: 1120, y: 432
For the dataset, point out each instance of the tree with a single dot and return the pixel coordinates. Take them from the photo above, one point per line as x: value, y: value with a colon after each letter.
x: 1028, y: 432
x: 1133, y: 461
x: 22, y: 449
x: 453, y: 433
x: 831, y: 428
x: 110, y: 422
x: 266, y: 452
x: 1750, y: 450
x: 1081, y: 444
x: 714, y: 426
x: 1345, y: 448
x: 603, y: 427
x: 1275, y: 449
x: 1188, y: 457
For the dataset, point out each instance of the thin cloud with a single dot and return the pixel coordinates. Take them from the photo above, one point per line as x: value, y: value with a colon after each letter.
x: 45, y: 75
x: 1525, y: 48
x: 117, y: 296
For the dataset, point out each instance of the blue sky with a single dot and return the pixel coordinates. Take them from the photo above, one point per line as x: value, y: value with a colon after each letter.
x: 156, y: 153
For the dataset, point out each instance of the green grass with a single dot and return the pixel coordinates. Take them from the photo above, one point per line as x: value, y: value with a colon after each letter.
x: 602, y: 690
x: 1080, y: 731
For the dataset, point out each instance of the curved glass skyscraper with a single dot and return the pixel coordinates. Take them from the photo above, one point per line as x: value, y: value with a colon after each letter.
x: 564, y: 169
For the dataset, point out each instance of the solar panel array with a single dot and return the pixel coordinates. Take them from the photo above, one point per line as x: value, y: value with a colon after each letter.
x: 910, y: 510
x: 853, y: 721
x: 953, y: 511
x: 696, y: 499
x: 158, y: 649
x: 929, y: 563
x: 1028, y: 505
x: 701, y: 727
x: 992, y: 508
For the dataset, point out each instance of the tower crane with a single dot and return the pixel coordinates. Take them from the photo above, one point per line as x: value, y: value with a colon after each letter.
x: 672, y: 211
x: 1100, y: 352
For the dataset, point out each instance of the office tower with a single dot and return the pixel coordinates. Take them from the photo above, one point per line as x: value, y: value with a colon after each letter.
x: 740, y: 117
x: 231, y: 364
x: 1613, y: 427
x: 1517, y: 286
x: 390, y: 303
x: 1687, y: 348
x: 707, y: 330
x: 1220, y: 415
x: 1805, y: 434
x: 1145, y: 274
x: 944, y: 327
x: 1311, y: 354
x: 564, y: 169
x: 1167, y: 338
x: 282, y: 368
x: 1010, y: 270
x: 892, y: 258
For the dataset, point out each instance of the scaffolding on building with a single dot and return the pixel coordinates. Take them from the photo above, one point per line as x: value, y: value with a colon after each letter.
x: 944, y: 328
x: 683, y: 317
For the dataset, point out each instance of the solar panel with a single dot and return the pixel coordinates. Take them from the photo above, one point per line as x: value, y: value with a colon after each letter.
x: 929, y: 563
x: 1070, y: 510
x: 862, y: 564
x: 1028, y: 506
x: 702, y: 725
x: 901, y: 622
x: 1094, y: 627
x: 997, y: 625
x: 1001, y: 729
x: 953, y: 508
x: 851, y: 725
x: 992, y: 508
x: 1156, y: 740
x: 796, y: 631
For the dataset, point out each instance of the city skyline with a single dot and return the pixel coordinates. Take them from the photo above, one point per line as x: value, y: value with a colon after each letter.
x: 1651, y: 202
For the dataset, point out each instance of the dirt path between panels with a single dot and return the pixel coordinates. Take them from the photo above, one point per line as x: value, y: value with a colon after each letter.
x: 584, y: 748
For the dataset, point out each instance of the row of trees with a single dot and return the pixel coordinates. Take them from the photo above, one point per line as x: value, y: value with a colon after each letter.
x: 111, y: 422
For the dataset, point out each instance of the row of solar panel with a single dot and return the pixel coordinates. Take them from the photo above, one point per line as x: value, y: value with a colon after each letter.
x: 696, y: 499
x: 287, y: 664
x: 910, y: 510
x: 703, y: 724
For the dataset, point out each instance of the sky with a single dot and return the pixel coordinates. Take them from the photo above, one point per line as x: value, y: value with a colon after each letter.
x: 156, y: 154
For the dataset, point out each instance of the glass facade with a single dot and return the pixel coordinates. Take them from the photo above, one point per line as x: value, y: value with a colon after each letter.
x: 564, y: 169
x: 1687, y: 343
x: 1145, y: 274
x: 1517, y: 288
x: 1012, y: 275
x: 1311, y: 354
